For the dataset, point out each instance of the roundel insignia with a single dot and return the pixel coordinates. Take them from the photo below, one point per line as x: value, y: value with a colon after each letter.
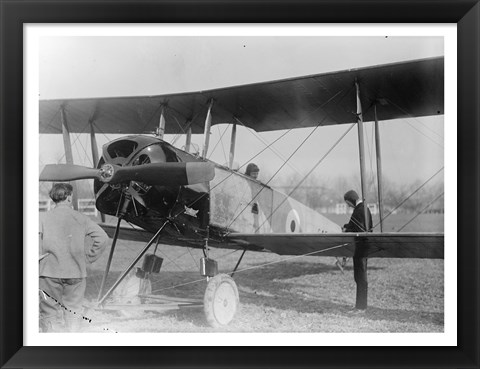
x: 292, y: 225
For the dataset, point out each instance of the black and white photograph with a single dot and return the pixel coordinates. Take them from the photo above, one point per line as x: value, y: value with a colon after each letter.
x: 238, y: 183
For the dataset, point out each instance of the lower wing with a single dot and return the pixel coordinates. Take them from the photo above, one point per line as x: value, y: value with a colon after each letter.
x: 384, y: 245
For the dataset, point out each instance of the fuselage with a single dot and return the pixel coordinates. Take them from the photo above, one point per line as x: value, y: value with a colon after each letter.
x: 231, y: 202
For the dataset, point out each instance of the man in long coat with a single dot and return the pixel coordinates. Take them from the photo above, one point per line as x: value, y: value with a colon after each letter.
x: 68, y: 241
x: 359, y: 224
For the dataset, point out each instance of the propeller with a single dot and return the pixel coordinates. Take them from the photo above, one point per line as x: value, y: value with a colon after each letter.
x: 65, y: 172
x: 162, y: 174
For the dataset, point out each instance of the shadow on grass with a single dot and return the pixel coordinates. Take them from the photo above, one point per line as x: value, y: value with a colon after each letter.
x: 166, y: 280
x: 164, y: 283
x: 288, y: 270
x: 404, y: 316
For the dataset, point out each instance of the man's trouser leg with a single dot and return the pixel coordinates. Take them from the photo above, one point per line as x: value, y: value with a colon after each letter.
x: 50, y: 309
x: 73, y: 293
x: 360, y: 275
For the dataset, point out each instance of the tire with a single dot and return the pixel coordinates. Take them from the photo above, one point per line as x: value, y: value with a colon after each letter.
x: 221, y: 300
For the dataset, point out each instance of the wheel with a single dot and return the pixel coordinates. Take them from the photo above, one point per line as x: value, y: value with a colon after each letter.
x: 221, y: 300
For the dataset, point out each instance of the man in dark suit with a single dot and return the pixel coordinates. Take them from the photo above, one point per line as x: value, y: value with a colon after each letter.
x: 359, y: 224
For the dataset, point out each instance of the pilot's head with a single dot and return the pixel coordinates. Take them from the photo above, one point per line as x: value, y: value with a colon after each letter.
x: 252, y: 170
x: 351, y: 198
x: 61, y: 192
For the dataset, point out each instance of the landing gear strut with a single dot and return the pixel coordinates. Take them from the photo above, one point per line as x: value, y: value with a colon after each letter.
x: 132, y: 264
x: 220, y: 301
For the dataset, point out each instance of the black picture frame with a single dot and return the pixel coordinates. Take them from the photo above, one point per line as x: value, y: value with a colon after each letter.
x: 14, y: 14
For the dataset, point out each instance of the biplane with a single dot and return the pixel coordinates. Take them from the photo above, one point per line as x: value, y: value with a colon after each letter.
x: 179, y: 197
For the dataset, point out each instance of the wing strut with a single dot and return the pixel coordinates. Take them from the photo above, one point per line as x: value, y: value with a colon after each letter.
x: 161, y: 124
x: 95, y: 157
x: 362, y: 154
x: 379, y: 168
x: 232, y: 145
x: 93, y: 143
x: 68, y: 152
x: 208, y: 124
x: 188, y: 140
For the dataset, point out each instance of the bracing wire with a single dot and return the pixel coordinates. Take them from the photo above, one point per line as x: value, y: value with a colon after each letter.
x: 421, y: 211
x: 50, y: 123
x: 291, y: 155
x: 416, y: 119
x: 299, y: 123
x: 322, y: 105
x: 424, y: 135
x: 84, y: 151
x: 419, y: 122
x: 169, y: 259
x: 188, y: 123
x: 159, y: 250
x: 149, y: 120
x: 219, y: 140
x: 270, y: 147
x: 278, y: 170
x: 258, y: 266
x: 75, y: 141
x: 409, y: 196
x: 179, y: 125
x: 102, y: 133
x: 178, y: 135
x: 231, y: 173
x: 305, y: 177
x: 272, y: 143
x: 223, y: 148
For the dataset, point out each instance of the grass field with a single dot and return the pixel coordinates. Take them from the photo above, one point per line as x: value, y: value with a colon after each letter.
x: 307, y: 294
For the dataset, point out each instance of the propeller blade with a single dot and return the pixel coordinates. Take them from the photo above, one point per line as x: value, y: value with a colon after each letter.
x: 66, y: 172
x: 165, y: 174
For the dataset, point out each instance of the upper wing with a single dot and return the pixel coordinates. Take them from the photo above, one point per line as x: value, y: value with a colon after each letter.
x: 406, y: 89
x: 387, y: 245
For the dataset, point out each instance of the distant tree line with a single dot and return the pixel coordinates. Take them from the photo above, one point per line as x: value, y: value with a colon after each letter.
x: 319, y: 193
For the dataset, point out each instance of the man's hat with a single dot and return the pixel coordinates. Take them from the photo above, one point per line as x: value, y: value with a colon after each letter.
x: 351, y: 196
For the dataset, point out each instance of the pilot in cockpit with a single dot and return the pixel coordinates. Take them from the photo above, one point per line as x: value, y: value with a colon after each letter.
x: 252, y: 170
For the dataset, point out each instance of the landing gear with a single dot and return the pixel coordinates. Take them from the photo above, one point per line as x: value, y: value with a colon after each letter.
x: 221, y: 300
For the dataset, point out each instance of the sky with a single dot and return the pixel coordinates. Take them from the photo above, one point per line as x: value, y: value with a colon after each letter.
x: 79, y: 67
